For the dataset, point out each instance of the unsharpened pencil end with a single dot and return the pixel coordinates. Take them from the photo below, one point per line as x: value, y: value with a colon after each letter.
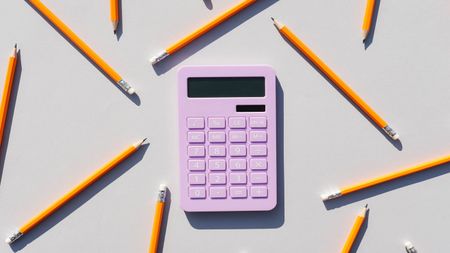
x: 161, y: 56
x: 131, y: 91
x: 13, y: 237
x: 410, y: 247
x: 163, y: 187
x: 8, y: 240
x: 330, y: 195
x: 391, y: 132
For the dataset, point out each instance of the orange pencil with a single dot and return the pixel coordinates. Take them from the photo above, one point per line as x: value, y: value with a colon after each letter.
x: 368, y: 17
x: 355, y: 231
x: 114, y: 6
x: 284, y: 30
x: 9, y: 80
x: 158, y: 218
x: 201, y: 31
x: 82, y: 46
x: 385, y: 178
x: 74, y: 192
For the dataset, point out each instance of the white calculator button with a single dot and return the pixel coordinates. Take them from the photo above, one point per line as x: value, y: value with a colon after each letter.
x: 238, y: 192
x: 238, y: 178
x: 237, y: 122
x: 258, y: 178
x: 237, y: 164
x: 196, y: 151
x: 195, y: 123
x: 238, y: 150
x: 197, y: 192
x: 259, y: 192
x: 217, y: 151
x: 237, y: 136
x: 216, y: 165
x: 217, y: 178
x: 197, y: 179
x: 258, y: 136
x: 216, y: 137
x: 216, y: 123
x: 218, y: 192
x: 258, y: 122
x: 196, y: 165
x: 258, y: 150
x: 258, y: 164
x: 196, y: 137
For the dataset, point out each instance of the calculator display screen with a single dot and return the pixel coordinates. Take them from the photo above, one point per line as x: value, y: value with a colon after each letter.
x: 204, y: 87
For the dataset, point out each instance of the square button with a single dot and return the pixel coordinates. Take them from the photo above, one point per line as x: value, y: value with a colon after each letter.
x: 258, y: 150
x: 238, y: 150
x: 216, y: 165
x: 216, y: 137
x: 196, y: 151
x: 259, y: 192
x: 258, y: 164
x: 196, y: 137
x: 237, y: 122
x: 258, y: 178
x: 217, y: 151
x: 216, y: 123
x: 237, y: 164
x: 196, y: 165
x: 237, y: 136
x: 197, y: 179
x: 197, y: 192
x: 238, y: 192
x: 218, y: 192
x: 195, y: 123
x: 238, y: 178
x: 258, y: 136
x: 258, y: 122
x: 217, y: 178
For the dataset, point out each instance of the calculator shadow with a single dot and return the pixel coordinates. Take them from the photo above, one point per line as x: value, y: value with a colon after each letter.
x: 369, y: 39
x: 252, y: 220
x: 396, y: 143
x: 388, y: 186
x: 224, y: 28
x: 79, y: 200
x: 134, y: 98
x: 10, y: 114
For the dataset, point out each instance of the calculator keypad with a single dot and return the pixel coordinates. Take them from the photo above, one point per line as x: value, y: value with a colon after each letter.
x: 227, y: 157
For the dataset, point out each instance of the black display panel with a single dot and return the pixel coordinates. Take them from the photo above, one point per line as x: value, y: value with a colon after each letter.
x: 207, y: 87
x: 250, y: 108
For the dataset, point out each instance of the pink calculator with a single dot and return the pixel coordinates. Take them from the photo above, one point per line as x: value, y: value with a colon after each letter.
x: 227, y: 122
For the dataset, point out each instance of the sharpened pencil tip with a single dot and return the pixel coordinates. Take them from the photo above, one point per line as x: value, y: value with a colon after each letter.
x: 15, y: 46
x: 272, y: 18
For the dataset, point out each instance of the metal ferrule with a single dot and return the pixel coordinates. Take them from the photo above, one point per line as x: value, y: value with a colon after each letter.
x: 162, y: 195
x: 411, y: 249
x: 391, y: 132
x: 161, y: 56
x: 14, y: 237
x: 124, y: 85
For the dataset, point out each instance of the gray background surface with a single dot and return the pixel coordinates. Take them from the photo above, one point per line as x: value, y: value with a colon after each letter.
x: 67, y: 119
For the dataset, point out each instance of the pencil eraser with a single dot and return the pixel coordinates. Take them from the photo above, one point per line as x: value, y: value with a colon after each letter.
x: 396, y: 137
x: 162, y: 187
x: 8, y: 240
x: 131, y: 91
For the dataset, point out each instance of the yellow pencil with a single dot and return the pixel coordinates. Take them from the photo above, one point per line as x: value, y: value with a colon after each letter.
x: 74, y: 192
x: 82, y: 46
x: 9, y: 80
x: 158, y: 218
x: 355, y: 231
x: 340, y: 84
x: 385, y: 178
x: 114, y: 9
x: 201, y: 31
x: 368, y: 17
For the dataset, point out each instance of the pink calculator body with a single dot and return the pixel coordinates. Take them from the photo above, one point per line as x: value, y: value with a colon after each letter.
x: 227, y: 124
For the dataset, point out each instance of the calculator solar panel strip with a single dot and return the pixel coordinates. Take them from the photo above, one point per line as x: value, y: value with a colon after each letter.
x: 227, y: 133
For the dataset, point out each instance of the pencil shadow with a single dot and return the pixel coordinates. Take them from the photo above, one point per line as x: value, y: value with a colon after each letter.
x: 10, y: 114
x: 208, y: 4
x: 361, y: 234
x: 252, y: 220
x: 369, y: 39
x: 79, y: 200
x: 396, y: 143
x: 226, y: 27
x: 387, y: 187
x: 119, y: 29
x: 162, y: 234
x: 134, y: 98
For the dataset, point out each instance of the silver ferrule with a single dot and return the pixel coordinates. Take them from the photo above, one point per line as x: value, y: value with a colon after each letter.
x: 161, y: 56
x: 411, y: 249
x: 162, y: 195
x: 13, y: 237
x: 391, y: 132
x: 124, y: 85
x: 331, y: 196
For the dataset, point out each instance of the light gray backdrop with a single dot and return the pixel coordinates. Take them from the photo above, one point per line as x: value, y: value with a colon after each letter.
x: 67, y: 119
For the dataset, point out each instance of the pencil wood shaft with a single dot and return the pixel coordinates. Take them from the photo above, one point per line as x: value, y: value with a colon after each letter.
x: 9, y: 80
x: 354, y: 232
x: 156, y: 230
x: 368, y: 17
